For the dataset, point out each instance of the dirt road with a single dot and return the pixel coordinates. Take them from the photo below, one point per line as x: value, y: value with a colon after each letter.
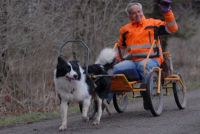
x: 134, y: 121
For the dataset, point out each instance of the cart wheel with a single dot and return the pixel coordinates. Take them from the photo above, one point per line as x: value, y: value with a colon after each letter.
x: 179, y: 93
x: 155, y: 99
x: 92, y: 109
x: 120, y: 101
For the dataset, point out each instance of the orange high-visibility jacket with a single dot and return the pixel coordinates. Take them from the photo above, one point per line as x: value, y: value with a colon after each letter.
x: 138, y: 38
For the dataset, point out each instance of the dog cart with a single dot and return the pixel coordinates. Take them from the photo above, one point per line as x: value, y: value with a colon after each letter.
x: 160, y: 79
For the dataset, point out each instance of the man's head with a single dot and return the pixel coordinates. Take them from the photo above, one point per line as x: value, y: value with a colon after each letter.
x: 135, y: 12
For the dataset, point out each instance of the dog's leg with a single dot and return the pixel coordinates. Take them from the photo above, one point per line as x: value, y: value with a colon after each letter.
x: 63, y: 110
x: 99, y: 112
x: 86, y: 105
x: 107, y: 107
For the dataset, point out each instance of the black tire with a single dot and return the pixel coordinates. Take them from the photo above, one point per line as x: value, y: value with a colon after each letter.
x: 155, y: 99
x: 179, y: 94
x: 92, y: 109
x: 120, y: 102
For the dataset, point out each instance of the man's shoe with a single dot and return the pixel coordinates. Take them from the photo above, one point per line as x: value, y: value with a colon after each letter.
x: 146, y: 105
x: 145, y: 100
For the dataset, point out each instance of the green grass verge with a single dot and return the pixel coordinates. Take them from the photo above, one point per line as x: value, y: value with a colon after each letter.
x: 27, y: 118
x: 193, y: 85
x: 33, y: 117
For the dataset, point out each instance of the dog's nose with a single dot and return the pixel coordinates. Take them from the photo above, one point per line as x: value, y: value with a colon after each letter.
x: 75, y: 76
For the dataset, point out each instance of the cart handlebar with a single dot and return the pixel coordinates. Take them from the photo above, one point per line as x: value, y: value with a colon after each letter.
x: 87, y: 56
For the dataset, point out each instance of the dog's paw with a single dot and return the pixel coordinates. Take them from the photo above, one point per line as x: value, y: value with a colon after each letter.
x: 63, y: 128
x: 85, y: 119
x: 96, y: 122
x: 108, y: 112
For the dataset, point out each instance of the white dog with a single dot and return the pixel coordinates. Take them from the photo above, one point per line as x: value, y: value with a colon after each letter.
x: 73, y: 84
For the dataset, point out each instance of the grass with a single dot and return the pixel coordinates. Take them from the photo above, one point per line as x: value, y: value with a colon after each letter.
x: 33, y: 117
x: 193, y: 85
x: 27, y: 118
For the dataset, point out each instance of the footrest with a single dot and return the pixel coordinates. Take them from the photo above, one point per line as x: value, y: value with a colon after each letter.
x: 172, y: 77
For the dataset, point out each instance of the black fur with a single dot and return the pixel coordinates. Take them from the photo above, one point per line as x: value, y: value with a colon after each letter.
x: 96, y: 69
x: 103, y: 83
x: 91, y: 85
x: 71, y: 73
x: 62, y: 67
x: 75, y: 67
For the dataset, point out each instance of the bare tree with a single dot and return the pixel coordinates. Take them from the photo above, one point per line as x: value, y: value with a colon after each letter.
x: 31, y: 33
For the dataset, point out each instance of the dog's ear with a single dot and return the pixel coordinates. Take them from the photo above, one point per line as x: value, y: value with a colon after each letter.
x: 76, y: 61
x: 60, y: 59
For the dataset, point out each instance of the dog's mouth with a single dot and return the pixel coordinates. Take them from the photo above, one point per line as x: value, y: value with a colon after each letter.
x: 75, y: 77
x: 69, y: 78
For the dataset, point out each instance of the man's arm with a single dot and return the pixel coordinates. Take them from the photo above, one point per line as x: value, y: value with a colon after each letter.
x: 171, y: 25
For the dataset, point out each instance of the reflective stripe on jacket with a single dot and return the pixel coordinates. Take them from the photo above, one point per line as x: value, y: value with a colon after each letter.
x: 138, y: 39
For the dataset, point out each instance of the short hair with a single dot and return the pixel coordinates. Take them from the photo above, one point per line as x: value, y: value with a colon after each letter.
x: 128, y: 7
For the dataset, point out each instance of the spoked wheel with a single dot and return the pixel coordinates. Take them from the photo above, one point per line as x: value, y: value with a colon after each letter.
x: 179, y: 93
x: 92, y: 109
x: 120, y: 101
x: 155, y: 99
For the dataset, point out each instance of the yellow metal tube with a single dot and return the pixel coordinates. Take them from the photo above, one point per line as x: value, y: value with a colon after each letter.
x: 159, y: 77
x: 147, y: 58
x: 159, y: 80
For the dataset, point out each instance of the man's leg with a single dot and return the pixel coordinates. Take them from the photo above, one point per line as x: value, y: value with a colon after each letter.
x: 128, y: 68
x: 140, y: 67
x: 150, y: 64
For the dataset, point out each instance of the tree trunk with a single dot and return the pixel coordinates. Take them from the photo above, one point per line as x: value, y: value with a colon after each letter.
x: 157, y: 14
x: 3, y: 38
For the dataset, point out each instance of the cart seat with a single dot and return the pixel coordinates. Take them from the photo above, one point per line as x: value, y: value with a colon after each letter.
x: 121, y: 84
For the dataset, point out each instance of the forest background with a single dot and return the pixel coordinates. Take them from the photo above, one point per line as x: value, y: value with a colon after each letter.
x: 32, y: 31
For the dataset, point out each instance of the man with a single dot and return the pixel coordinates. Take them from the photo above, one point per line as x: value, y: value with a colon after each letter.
x: 137, y: 37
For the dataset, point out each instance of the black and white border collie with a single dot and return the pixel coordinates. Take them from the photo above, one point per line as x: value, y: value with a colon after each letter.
x: 73, y: 85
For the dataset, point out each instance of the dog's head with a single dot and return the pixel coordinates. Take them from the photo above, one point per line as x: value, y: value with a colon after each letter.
x: 68, y: 69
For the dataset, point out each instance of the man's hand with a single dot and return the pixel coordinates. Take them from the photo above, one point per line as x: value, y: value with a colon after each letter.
x: 165, y: 5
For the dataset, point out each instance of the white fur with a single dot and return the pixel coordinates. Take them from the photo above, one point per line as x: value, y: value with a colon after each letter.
x: 72, y: 72
x: 106, y: 56
x: 74, y: 90
x: 77, y: 90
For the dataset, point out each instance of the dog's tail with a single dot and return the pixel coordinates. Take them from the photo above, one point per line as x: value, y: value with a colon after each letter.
x: 106, y: 56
